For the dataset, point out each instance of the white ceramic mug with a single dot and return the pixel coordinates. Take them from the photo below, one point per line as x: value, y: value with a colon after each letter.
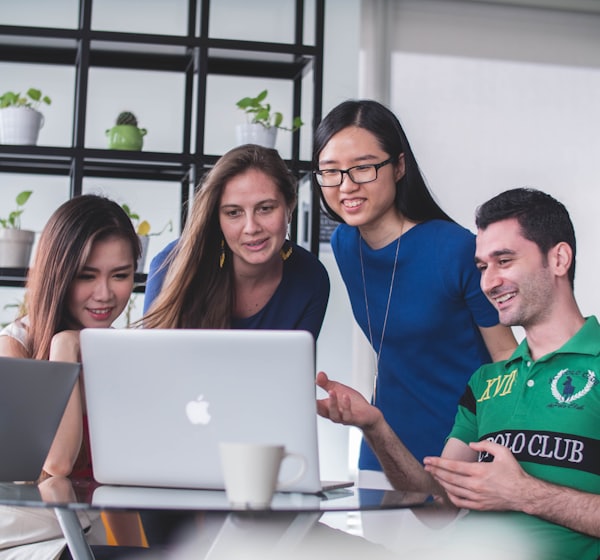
x: 251, y: 472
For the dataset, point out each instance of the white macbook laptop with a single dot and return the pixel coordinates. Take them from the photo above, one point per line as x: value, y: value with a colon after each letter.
x: 160, y: 401
x: 33, y: 396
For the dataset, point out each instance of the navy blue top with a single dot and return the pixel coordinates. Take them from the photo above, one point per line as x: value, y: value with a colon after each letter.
x: 299, y: 302
x: 432, y: 343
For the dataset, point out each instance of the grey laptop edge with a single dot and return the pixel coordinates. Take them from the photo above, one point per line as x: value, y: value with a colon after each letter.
x: 33, y: 397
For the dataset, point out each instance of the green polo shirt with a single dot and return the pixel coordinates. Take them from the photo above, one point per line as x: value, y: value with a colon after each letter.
x: 547, y: 412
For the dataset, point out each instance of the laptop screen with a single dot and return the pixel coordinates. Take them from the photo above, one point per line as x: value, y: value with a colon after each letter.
x: 159, y: 401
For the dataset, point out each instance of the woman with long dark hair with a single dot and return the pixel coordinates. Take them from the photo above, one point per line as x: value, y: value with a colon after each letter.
x: 81, y: 277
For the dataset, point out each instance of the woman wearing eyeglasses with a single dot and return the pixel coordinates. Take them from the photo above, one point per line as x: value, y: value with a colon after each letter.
x: 410, y: 274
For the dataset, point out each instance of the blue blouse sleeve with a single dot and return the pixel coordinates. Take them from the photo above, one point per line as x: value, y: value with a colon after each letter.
x: 457, y: 253
x: 156, y: 275
x: 312, y: 319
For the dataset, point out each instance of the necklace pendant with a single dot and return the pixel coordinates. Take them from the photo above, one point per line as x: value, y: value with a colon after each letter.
x: 374, y: 396
x: 387, y: 310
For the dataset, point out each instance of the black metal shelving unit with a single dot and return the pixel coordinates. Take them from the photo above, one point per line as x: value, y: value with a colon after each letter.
x: 196, y: 55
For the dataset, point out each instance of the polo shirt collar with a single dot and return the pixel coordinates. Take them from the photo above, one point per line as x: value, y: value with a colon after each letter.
x: 585, y: 341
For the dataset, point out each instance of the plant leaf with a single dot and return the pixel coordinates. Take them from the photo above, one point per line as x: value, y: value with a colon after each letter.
x: 261, y: 96
x: 13, y: 218
x: 9, y: 98
x: 277, y: 119
x: 262, y: 115
x: 23, y: 197
x: 143, y: 228
x: 296, y: 123
x: 35, y: 94
x: 245, y: 102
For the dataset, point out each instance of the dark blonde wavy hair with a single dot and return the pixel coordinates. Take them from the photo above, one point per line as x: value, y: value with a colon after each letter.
x: 63, y: 249
x: 197, y: 293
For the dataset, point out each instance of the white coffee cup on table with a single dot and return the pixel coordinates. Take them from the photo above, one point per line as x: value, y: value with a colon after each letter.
x: 251, y: 472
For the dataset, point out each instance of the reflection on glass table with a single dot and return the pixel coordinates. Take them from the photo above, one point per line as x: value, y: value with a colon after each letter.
x: 290, y: 520
x: 85, y: 494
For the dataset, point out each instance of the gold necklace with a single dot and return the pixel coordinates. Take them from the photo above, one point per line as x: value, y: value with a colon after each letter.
x: 387, y: 309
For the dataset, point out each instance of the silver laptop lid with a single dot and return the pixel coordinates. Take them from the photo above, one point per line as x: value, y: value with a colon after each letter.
x: 33, y: 396
x: 160, y: 400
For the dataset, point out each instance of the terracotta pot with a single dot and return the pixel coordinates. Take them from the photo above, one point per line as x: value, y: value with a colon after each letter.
x: 15, y: 247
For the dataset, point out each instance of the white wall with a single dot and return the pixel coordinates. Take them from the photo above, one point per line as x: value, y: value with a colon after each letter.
x: 495, y: 96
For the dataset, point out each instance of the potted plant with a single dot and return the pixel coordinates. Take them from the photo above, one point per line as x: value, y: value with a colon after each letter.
x: 142, y: 227
x: 263, y: 123
x: 15, y: 243
x: 20, y: 118
x: 126, y: 135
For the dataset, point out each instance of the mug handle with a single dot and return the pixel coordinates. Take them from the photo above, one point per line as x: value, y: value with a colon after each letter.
x: 281, y: 484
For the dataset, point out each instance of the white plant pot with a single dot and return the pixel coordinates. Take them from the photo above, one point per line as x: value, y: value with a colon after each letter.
x: 15, y: 247
x: 20, y: 125
x: 144, y: 241
x: 253, y: 133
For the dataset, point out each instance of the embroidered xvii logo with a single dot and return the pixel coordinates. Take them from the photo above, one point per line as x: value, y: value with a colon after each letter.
x: 567, y: 386
x: 498, y: 386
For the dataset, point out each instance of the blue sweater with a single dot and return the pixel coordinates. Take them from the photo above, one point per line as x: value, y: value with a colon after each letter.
x: 299, y: 302
x: 432, y: 343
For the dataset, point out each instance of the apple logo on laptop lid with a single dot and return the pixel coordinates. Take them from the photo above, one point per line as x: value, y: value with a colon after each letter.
x: 197, y: 411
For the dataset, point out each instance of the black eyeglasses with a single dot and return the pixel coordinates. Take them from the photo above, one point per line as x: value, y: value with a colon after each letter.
x: 358, y: 174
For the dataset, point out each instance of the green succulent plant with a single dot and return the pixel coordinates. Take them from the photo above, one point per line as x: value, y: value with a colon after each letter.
x: 127, y: 117
x: 13, y: 221
x: 32, y: 98
x: 259, y: 111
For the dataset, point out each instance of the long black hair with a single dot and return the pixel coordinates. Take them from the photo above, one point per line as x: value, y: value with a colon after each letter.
x: 413, y: 199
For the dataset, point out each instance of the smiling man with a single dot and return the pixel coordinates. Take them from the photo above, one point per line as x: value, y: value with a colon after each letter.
x: 526, y: 439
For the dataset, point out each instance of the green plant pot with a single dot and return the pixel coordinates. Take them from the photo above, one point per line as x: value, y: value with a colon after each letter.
x: 125, y: 137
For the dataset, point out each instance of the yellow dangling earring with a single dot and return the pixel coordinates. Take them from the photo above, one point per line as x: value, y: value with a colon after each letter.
x: 286, y: 251
x: 222, y: 254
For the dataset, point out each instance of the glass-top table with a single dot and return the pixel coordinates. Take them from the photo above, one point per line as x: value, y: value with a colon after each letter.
x: 85, y: 494
x: 68, y: 496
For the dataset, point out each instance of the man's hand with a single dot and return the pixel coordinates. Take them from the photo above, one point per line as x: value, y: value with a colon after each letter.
x: 499, y: 485
x: 344, y: 405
